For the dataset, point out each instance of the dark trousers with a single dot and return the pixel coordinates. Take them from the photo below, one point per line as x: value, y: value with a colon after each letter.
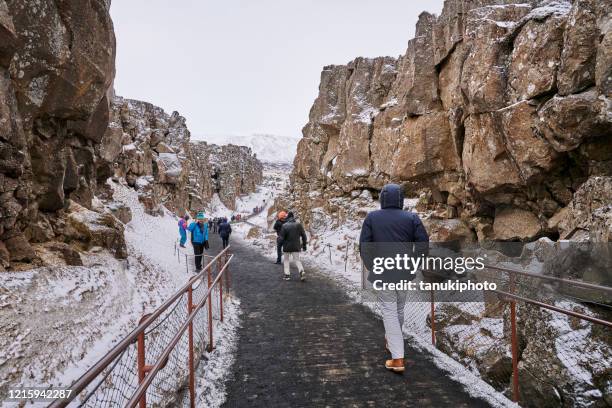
x: 279, y: 251
x: 225, y: 241
x: 198, y: 250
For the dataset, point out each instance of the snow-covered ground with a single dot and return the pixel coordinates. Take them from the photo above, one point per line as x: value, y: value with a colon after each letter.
x: 57, y: 322
x: 212, y: 374
x: 268, y: 148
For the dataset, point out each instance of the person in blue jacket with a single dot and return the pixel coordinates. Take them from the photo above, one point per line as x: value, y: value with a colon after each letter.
x: 389, y: 225
x: 182, y: 224
x: 199, y: 238
x: 225, y: 230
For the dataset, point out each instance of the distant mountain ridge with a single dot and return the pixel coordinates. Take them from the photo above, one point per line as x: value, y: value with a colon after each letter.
x: 268, y: 148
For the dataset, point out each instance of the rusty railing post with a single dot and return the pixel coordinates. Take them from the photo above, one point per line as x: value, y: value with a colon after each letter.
x: 143, y: 368
x: 433, y: 319
x: 227, y: 272
x: 515, y: 378
x: 219, y: 269
x: 210, y: 311
x: 141, y: 365
x: 191, y: 353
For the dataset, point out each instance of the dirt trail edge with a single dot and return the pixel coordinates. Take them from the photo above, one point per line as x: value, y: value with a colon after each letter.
x: 307, y: 345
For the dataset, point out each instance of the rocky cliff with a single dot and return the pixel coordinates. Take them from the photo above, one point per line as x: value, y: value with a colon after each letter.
x: 153, y: 152
x: 234, y: 170
x: 150, y: 150
x: 63, y: 133
x: 496, y: 115
x: 57, y: 62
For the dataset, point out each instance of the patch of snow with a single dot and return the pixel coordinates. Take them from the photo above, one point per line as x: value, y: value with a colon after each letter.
x: 390, y: 103
x: 212, y: 374
x: 556, y: 8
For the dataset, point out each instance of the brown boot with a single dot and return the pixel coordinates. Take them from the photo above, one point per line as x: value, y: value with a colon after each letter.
x: 396, y: 365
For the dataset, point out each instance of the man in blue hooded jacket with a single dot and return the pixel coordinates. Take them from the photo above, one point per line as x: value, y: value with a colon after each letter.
x: 199, y: 238
x: 391, y: 224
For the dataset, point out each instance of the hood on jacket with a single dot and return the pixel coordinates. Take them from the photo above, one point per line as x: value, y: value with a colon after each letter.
x: 392, y: 196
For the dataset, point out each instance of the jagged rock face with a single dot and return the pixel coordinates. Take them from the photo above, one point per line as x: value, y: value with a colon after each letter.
x: 589, y: 215
x: 499, y: 108
x: 154, y: 153
x: 57, y: 62
x: 234, y: 171
x: 151, y: 151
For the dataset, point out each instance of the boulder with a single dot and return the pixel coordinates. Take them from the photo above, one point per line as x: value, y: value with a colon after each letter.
x: 449, y: 230
x: 590, y: 210
x: 121, y: 211
x: 567, y: 121
x: 516, y: 224
x: 71, y: 256
x: 169, y: 168
x: 19, y: 249
x: 5, y: 256
x: 39, y: 231
x: 91, y: 229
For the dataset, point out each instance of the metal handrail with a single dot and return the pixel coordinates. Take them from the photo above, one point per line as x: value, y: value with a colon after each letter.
x: 582, y: 316
x: 142, y: 388
x: 585, y: 285
x: 512, y: 299
x: 80, y: 384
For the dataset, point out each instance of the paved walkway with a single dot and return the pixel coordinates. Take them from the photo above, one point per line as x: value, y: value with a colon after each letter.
x: 307, y: 345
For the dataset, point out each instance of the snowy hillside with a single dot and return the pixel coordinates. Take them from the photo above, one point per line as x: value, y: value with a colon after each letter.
x: 269, y: 148
x: 52, y: 325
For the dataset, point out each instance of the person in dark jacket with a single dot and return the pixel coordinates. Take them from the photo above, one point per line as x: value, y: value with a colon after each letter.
x: 391, y: 224
x: 225, y: 230
x: 290, y: 235
x: 280, y: 220
x: 218, y: 222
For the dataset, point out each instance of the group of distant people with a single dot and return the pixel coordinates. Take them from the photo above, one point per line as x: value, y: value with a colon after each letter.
x: 199, y: 230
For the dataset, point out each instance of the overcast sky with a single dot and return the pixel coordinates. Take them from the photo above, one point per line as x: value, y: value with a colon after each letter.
x: 249, y: 66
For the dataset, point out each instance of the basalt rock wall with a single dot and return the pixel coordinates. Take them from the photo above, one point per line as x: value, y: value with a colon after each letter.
x: 63, y: 134
x: 57, y: 62
x: 150, y: 150
x: 153, y: 152
x: 234, y: 171
x: 497, y: 113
